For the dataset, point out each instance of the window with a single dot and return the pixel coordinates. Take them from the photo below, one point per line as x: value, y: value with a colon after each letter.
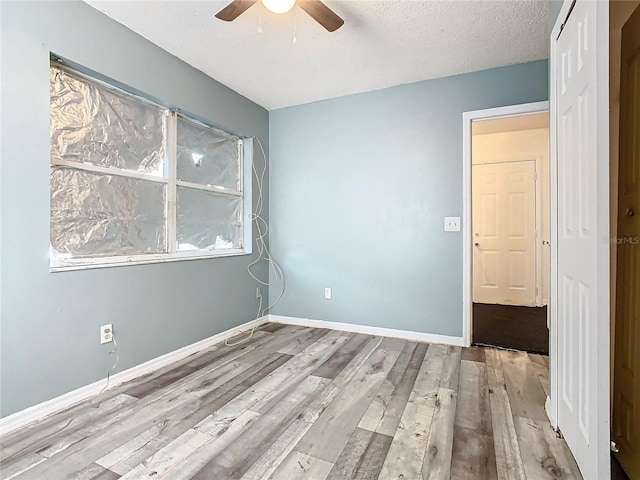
x: 134, y: 182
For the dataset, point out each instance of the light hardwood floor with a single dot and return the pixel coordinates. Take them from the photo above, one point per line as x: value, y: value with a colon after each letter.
x: 302, y: 403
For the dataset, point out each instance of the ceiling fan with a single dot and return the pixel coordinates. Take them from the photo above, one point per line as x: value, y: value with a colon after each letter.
x: 315, y: 8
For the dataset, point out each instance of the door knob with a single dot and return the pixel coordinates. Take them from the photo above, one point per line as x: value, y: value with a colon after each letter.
x: 477, y: 244
x: 630, y: 212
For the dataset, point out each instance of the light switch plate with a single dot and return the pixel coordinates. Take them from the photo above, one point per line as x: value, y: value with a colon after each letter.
x: 451, y: 224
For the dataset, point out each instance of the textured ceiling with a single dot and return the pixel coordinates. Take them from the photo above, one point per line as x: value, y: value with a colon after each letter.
x: 383, y: 43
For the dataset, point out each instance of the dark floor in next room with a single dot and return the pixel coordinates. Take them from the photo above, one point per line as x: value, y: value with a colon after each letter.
x: 507, y: 326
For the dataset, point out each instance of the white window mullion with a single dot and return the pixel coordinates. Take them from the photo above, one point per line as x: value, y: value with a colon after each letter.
x: 172, y: 165
x: 89, y: 167
x: 209, y: 188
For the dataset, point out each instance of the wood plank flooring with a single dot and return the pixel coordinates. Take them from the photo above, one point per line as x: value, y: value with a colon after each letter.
x: 314, y: 404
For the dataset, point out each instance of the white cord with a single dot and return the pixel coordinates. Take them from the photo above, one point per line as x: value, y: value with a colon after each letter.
x: 115, y: 350
x: 262, y: 228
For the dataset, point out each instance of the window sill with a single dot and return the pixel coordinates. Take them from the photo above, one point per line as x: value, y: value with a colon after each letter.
x: 66, y: 265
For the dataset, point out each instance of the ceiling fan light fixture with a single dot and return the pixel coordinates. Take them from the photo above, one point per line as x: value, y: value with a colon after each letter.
x: 315, y: 8
x: 279, y: 6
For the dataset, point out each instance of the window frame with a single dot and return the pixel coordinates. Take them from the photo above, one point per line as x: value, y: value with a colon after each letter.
x: 169, y: 177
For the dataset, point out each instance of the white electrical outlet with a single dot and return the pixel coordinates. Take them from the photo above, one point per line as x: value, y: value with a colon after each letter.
x: 106, y: 333
x: 327, y: 293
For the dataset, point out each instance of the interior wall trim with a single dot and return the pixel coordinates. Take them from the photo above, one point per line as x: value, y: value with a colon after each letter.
x: 467, y: 237
x: 368, y: 330
x: 64, y: 401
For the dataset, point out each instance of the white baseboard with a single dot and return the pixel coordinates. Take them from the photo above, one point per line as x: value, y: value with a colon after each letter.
x: 44, y: 409
x: 355, y: 328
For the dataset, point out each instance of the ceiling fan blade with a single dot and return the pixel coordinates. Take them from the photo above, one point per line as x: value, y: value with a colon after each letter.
x: 234, y: 9
x: 321, y: 14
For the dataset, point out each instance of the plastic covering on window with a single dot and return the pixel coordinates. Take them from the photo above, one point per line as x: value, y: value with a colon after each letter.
x: 101, y: 215
x: 207, y: 156
x: 93, y: 124
x: 208, y: 221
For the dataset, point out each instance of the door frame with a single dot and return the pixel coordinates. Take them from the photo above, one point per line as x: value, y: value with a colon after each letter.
x: 467, y: 235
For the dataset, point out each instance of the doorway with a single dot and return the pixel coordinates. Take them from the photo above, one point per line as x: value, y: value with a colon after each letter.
x: 509, y: 226
x: 625, y: 85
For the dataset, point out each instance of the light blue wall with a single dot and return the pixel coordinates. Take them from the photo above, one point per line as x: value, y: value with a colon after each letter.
x: 50, y: 321
x: 360, y: 186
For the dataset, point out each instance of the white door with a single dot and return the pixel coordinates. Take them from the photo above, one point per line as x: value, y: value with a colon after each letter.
x: 582, y: 274
x: 504, y: 233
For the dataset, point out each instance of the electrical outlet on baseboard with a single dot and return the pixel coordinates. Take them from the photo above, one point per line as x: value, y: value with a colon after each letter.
x: 327, y: 293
